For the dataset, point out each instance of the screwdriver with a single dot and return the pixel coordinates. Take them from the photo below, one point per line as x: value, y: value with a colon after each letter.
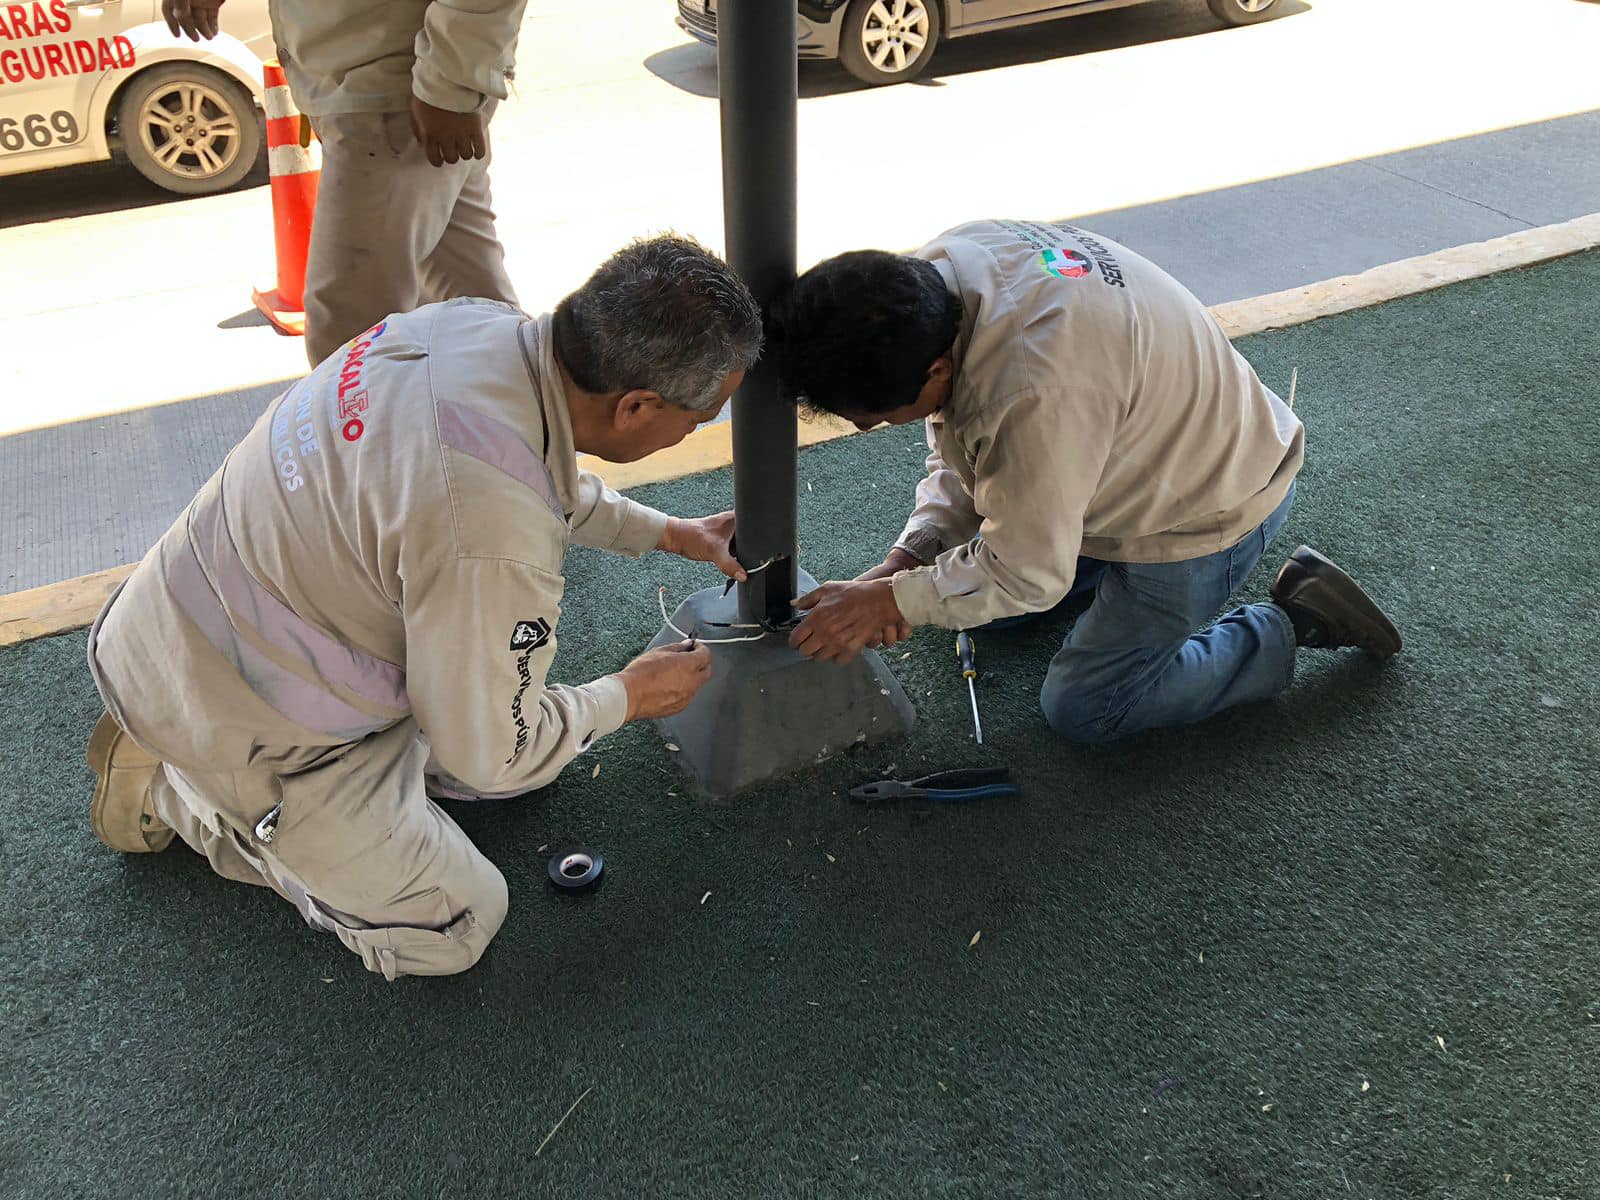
x: 969, y: 672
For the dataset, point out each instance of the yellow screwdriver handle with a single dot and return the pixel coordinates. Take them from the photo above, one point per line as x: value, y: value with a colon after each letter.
x: 966, y: 654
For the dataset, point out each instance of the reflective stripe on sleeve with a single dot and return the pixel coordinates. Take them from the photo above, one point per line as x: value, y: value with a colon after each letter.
x: 497, y: 444
x: 247, y: 601
x: 295, y: 698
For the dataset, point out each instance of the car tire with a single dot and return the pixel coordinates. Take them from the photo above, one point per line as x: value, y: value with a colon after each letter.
x: 1243, y: 12
x: 189, y: 129
x: 872, y: 41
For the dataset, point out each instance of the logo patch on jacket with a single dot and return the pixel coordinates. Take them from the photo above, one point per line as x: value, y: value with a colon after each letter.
x: 530, y: 635
x: 351, y: 399
x: 1064, y: 263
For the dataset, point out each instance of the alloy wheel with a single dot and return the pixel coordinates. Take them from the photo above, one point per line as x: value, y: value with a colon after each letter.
x: 191, y: 130
x: 895, y: 34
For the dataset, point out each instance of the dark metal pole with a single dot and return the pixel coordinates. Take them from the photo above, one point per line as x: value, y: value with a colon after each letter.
x: 758, y: 81
x: 743, y: 727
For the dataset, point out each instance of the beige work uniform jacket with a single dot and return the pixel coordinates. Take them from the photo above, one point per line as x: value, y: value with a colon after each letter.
x: 348, y: 56
x: 1097, y: 409
x: 386, y: 542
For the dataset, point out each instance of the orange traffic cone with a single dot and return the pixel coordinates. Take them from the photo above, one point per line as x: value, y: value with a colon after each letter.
x: 295, y: 162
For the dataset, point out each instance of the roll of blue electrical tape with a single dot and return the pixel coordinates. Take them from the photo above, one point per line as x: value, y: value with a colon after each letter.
x: 577, y: 869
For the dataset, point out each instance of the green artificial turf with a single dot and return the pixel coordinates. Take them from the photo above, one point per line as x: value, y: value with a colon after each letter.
x: 1341, y: 944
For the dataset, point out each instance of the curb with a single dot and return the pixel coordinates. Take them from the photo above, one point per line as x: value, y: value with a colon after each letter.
x: 72, y: 604
x: 57, y: 607
x: 1408, y: 277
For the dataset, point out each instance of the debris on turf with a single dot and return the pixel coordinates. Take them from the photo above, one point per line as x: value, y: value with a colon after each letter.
x: 596, y: 774
x: 1440, y: 1040
x: 974, y: 940
x: 1365, y: 1086
x: 704, y: 898
x: 563, y: 1120
x: 672, y: 748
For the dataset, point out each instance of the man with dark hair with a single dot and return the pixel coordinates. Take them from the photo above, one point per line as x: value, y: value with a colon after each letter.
x: 359, y: 608
x: 1094, y: 438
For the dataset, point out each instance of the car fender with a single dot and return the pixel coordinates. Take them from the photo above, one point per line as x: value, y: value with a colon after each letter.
x: 153, y: 45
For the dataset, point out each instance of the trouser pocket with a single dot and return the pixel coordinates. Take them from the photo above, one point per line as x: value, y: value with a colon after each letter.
x: 395, y: 950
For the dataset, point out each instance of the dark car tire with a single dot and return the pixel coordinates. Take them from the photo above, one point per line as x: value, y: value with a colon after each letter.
x: 184, y: 90
x: 1243, y: 12
x: 853, y: 53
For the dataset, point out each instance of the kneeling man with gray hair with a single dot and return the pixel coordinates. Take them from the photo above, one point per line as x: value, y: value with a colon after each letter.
x: 358, y: 609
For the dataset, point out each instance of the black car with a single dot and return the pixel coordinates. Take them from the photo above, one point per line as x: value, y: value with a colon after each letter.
x: 891, y: 41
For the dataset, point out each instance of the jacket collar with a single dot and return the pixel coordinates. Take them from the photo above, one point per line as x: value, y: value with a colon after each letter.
x: 971, y: 302
x: 558, y: 452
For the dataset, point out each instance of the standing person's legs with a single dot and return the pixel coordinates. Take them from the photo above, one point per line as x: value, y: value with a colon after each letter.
x: 1134, y: 661
x: 469, y: 260
x: 358, y: 849
x: 382, y: 210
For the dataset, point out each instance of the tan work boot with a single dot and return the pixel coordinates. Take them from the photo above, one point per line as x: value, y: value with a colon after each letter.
x: 120, y: 812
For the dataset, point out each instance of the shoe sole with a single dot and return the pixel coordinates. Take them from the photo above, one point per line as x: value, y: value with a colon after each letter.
x: 1369, y: 621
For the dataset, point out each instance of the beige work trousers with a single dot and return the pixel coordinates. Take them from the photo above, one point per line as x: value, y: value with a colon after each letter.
x: 392, y: 231
x: 359, y: 850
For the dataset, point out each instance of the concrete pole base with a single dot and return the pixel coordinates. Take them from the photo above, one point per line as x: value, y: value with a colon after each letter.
x: 768, y: 710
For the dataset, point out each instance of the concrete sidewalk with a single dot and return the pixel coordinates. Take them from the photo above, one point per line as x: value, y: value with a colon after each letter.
x: 613, y: 132
x: 1344, y: 134
x: 88, y: 495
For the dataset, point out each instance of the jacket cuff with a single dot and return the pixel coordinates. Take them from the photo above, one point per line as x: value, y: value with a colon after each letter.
x: 433, y: 88
x: 640, y: 531
x: 610, y: 697
x: 923, y: 542
x: 916, y: 596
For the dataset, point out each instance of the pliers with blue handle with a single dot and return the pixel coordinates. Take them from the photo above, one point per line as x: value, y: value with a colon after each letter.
x: 944, y: 787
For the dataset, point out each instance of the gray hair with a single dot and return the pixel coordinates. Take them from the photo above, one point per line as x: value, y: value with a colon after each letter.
x: 662, y: 313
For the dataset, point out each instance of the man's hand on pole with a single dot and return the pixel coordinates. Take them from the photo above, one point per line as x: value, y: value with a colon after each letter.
x: 662, y: 682
x: 196, y: 18
x: 445, y: 136
x: 708, y: 539
x: 845, y: 617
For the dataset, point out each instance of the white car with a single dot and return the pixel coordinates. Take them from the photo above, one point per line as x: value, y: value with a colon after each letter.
x: 80, y: 79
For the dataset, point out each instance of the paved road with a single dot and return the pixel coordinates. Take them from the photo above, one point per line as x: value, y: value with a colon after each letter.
x: 1346, y: 133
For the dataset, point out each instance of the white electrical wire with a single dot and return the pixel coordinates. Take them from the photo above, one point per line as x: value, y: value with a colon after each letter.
x: 661, y: 599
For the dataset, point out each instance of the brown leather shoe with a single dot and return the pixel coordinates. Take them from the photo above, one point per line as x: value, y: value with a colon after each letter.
x: 120, y: 812
x: 1329, y: 609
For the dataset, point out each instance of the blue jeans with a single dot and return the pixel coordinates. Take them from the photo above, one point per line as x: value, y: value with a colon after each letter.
x: 1133, y: 661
